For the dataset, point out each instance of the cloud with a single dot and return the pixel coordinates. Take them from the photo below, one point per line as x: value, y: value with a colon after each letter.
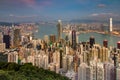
x: 23, y: 16
x: 104, y: 15
x: 25, y: 3
x: 36, y: 3
x: 11, y: 15
x: 94, y: 14
x: 101, y: 5
x: 29, y: 3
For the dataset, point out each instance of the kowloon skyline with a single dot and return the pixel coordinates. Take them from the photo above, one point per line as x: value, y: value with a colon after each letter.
x: 48, y: 10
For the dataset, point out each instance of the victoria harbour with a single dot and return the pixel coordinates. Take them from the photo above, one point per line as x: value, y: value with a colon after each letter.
x: 48, y: 29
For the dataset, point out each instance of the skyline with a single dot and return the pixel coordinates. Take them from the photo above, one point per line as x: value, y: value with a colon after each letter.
x: 50, y: 10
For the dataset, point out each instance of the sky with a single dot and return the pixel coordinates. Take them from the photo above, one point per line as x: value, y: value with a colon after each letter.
x: 66, y: 10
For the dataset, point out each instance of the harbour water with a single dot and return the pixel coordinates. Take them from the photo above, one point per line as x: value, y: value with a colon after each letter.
x: 47, y: 29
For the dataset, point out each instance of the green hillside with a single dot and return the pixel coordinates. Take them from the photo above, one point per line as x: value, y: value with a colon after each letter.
x: 13, y: 71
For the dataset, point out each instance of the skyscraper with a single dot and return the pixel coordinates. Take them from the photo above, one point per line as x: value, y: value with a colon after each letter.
x: 111, y: 25
x: 1, y: 37
x: 97, y: 70
x: 16, y: 38
x: 46, y: 38
x: 118, y: 73
x: 84, y: 72
x: 73, y: 39
x: 92, y: 41
x: 59, y: 27
x: 118, y: 44
x: 6, y: 40
x: 52, y: 38
x: 105, y: 43
x: 109, y: 71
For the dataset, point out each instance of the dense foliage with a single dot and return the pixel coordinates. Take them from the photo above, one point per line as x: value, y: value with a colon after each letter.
x: 13, y: 71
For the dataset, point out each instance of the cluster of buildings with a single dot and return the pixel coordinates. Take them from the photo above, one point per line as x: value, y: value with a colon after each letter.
x: 98, y: 27
x: 78, y: 61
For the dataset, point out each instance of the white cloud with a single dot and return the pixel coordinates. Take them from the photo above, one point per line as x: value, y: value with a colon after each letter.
x: 104, y: 15
x: 95, y: 14
x: 101, y: 5
x: 23, y: 16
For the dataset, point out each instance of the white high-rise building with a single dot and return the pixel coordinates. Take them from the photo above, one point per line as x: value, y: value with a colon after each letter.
x: 65, y: 63
x: 30, y: 59
x: 13, y: 57
x: 97, y: 70
x: 71, y: 75
x: 46, y: 38
x: 118, y: 73
x: 67, y: 50
x: 59, y: 26
x: 56, y: 57
x: 2, y: 47
x: 111, y: 25
x: 84, y: 72
x: 109, y: 71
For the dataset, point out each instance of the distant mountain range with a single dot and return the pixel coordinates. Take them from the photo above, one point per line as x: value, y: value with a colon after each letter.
x: 91, y: 21
x: 7, y: 24
x: 71, y: 21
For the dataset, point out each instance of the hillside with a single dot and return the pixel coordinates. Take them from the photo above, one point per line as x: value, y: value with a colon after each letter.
x: 13, y: 71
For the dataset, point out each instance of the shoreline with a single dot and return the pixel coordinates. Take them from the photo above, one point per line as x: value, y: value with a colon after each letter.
x: 116, y: 34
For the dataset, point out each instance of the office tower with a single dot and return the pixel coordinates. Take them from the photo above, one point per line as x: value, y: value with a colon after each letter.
x: 16, y: 38
x: 6, y: 40
x: 67, y: 50
x: 105, y: 43
x: 56, y: 57
x: 37, y: 60
x: 30, y: 59
x: 117, y: 74
x: 97, y: 70
x: 51, y: 67
x: 2, y: 47
x: 81, y: 49
x: 77, y: 39
x: 50, y: 56
x: 111, y: 25
x: 84, y: 57
x: 70, y: 37
x: 65, y: 63
x: 38, y: 47
x: 109, y: 71
x: 102, y: 53
x: 71, y: 75
x: 52, y: 38
x: 74, y: 39
x: 118, y: 45
x: 67, y: 40
x: 61, y: 54
x: 45, y: 61
x: 84, y: 72
x: 91, y: 41
x: 46, y: 39
x: 40, y: 60
x: 75, y: 62
x: 69, y: 59
x: 94, y: 52
x: 59, y: 27
x: 13, y: 57
x: 1, y: 37
x: 56, y: 60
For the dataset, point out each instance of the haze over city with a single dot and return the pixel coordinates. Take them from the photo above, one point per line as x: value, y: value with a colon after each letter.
x: 66, y: 10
